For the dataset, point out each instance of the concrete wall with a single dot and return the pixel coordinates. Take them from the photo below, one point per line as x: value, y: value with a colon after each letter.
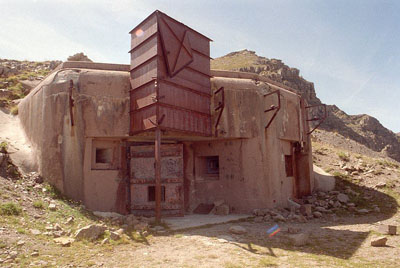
x: 252, y: 171
x: 100, y: 109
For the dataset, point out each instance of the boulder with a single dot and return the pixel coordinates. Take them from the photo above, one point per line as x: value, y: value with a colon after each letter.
x: 64, y: 241
x: 299, y: 240
x: 90, y: 232
x: 115, y: 236
x: 52, y: 207
x: 388, y: 229
x: 317, y: 214
x: 378, y: 241
x: 221, y: 210
x: 236, y: 229
x: 343, y: 198
x: 142, y: 226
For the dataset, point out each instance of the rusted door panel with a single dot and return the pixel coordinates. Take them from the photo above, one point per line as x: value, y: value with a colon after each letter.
x: 289, y: 117
x: 142, y: 177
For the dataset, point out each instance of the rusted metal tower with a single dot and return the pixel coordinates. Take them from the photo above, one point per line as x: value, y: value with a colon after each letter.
x: 170, y: 83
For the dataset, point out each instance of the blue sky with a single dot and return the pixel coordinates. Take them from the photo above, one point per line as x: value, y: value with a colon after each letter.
x: 349, y: 49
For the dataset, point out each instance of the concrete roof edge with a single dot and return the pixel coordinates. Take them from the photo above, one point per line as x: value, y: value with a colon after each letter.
x: 253, y: 76
x: 93, y: 66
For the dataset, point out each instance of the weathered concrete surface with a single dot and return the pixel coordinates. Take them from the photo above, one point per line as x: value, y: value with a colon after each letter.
x: 323, y: 181
x: 19, y: 148
x: 253, y: 159
x: 195, y: 220
x: 100, y: 108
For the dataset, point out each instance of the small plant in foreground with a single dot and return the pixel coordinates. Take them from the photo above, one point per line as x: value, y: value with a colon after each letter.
x: 10, y: 209
x: 38, y: 204
x: 343, y: 156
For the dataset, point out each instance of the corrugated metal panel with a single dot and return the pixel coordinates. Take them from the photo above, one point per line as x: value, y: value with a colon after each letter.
x: 170, y: 77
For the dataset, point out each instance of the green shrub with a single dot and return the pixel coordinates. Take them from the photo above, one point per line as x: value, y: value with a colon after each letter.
x: 3, y: 147
x: 38, y: 204
x: 10, y: 209
x: 343, y: 156
x: 14, y: 110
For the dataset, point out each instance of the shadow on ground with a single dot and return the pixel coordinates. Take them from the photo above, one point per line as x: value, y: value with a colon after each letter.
x: 328, y: 236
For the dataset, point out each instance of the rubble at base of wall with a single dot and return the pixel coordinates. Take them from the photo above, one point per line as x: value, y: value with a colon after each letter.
x: 318, y: 205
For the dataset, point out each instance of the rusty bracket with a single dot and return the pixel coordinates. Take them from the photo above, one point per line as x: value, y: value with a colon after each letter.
x: 273, y: 107
x: 159, y: 121
x: 71, y: 101
x: 220, y: 107
x: 320, y: 119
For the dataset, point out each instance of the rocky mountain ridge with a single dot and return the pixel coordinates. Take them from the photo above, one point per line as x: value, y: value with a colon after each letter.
x: 363, y: 128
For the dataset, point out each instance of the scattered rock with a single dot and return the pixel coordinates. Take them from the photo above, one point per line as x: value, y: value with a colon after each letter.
x: 64, y: 241
x: 379, y: 241
x: 221, y: 210
x: 299, y: 240
x: 35, y: 254
x: 258, y: 219
x: 388, y: 229
x: 343, y: 198
x: 218, y: 203
x: 20, y: 243
x: 317, y: 214
x: 307, y: 209
x: 115, y: 236
x: 35, y: 232
x: 90, y: 232
x: 142, y: 226
x: 226, y: 239
x: 70, y: 220
x: 105, y: 241
x: 278, y: 217
x: 236, y: 229
x: 52, y: 207
x: 13, y: 254
x: 107, y: 214
x: 293, y: 230
x: 363, y: 211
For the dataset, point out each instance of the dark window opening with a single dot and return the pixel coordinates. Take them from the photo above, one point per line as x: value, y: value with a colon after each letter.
x: 212, y: 165
x: 104, y: 155
x: 151, y: 190
x: 289, y: 165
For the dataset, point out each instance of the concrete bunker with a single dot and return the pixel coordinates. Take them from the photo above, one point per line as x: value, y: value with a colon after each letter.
x: 166, y: 134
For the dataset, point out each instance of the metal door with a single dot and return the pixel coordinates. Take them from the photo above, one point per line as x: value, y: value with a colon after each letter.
x: 142, y: 174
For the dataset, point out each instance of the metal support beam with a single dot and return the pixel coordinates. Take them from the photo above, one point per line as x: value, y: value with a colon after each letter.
x: 157, y: 157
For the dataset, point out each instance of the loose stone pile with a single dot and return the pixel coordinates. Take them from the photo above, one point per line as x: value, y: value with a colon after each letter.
x: 317, y: 205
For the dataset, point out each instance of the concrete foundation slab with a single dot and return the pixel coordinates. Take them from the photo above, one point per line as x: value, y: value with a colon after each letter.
x: 198, y: 220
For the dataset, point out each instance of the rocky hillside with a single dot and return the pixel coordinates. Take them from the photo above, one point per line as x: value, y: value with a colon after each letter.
x: 17, y: 78
x: 363, y: 128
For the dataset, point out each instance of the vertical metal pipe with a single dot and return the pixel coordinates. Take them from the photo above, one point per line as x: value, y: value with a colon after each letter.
x: 157, y: 157
x: 128, y: 176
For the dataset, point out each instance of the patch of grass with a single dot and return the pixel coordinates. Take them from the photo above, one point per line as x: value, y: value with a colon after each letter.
x: 14, y: 110
x: 340, y: 175
x: 386, y: 163
x: 21, y: 230
x: 328, y: 170
x: 38, y: 204
x: 10, y: 209
x: 2, y: 245
x: 343, y: 156
x: 3, y: 147
x: 266, y: 262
